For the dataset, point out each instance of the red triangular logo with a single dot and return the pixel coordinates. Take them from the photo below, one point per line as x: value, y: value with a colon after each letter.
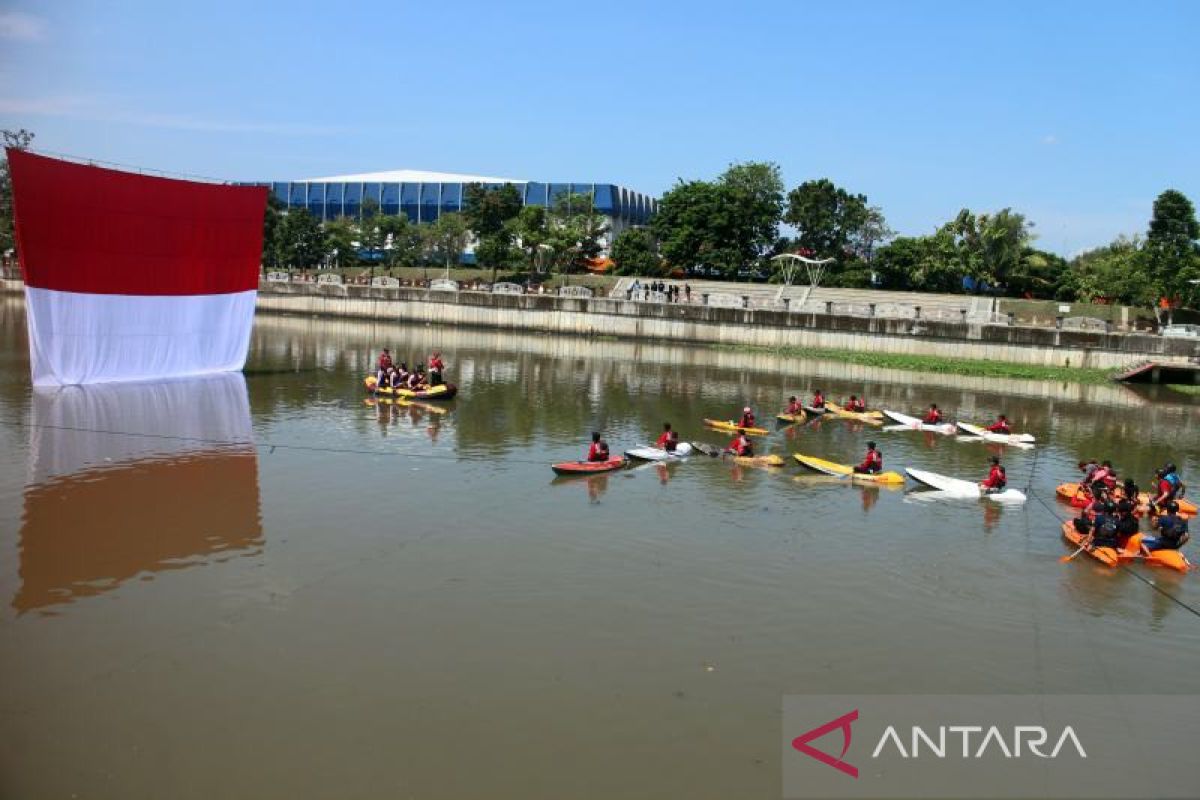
x: 843, y: 722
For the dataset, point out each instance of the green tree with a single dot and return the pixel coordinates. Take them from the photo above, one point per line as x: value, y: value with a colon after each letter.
x: 922, y: 263
x: 531, y: 229
x: 827, y: 218
x: 489, y: 213
x: 635, y: 253
x: 575, y: 233
x: 301, y: 240
x: 1173, y: 260
x: 340, y: 237
x: 873, y: 232
x: 755, y: 190
x: 1115, y: 273
x: 447, y: 238
x: 695, y: 227
x: 19, y: 139
x: 989, y: 246
x: 1038, y: 274
x: 273, y: 227
x: 401, y: 241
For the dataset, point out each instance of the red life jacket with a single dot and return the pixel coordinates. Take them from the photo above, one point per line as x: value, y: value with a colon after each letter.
x: 873, y: 461
x: 818, y: 400
x: 597, y: 452
x: 1000, y: 426
x: 747, y: 421
x: 385, y: 361
x: 933, y: 417
x: 996, y: 478
x: 663, y: 439
x: 742, y: 446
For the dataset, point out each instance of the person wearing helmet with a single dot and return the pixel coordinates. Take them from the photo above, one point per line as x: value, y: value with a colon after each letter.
x: 1127, y: 523
x: 872, y: 463
x: 1171, y: 528
x: 996, y: 480
x: 747, y: 420
x: 1105, y: 527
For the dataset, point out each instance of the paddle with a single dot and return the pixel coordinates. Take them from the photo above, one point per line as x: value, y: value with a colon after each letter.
x: 1065, y: 559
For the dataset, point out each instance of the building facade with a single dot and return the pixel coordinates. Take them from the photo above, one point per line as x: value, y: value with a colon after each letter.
x: 424, y: 196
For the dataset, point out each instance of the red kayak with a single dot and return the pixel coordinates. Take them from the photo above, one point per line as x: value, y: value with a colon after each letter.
x: 588, y: 467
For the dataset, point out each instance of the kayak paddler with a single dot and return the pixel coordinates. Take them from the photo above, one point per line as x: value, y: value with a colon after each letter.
x: 599, y: 449
x: 996, y: 479
x: 741, y: 445
x: 999, y: 426
x: 872, y: 463
x: 1127, y: 524
x: 794, y: 406
x: 1104, y: 475
x: 856, y: 404
x: 747, y: 420
x: 1171, y: 528
x: 667, y: 439
x: 818, y: 400
x: 933, y: 416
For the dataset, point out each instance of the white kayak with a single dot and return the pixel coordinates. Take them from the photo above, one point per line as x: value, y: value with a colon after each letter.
x: 682, y: 450
x: 1001, y: 438
x: 904, y: 421
x: 955, y: 488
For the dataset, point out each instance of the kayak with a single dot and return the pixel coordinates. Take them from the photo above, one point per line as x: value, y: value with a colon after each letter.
x: 444, y: 391
x: 1078, y: 497
x: 912, y: 423
x: 724, y: 425
x: 1002, y: 438
x: 682, y: 451
x: 759, y: 461
x: 588, y: 467
x: 791, y: 419
x: 814, y: 410
x: 1105, y: 555
x: 958, y: 488
x: 1170, y: 559
x: 842, y: 470
x: 871, y: 417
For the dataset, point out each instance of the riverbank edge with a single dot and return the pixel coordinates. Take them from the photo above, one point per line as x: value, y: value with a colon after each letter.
x: 939, y: 365
x: 923, y: 344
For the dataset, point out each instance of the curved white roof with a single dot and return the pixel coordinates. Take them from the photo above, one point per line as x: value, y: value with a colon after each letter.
x: 410, y: 176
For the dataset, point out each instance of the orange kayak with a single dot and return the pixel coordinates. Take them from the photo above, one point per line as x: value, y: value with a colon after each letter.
x: 1078, y: 497
x: 1105, y: 555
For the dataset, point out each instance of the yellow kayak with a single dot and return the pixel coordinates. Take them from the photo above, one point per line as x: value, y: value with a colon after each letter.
x: 833, y: 468
x: 731, y: 426
x: 871, y: 417
x: 760, y: 461
x: 791, y: 419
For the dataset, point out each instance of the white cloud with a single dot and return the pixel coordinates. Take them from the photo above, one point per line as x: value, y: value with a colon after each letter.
x: 93, y: 109
x: 21, y: 26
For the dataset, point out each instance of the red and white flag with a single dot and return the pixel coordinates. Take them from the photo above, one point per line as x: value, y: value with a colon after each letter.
x: 132, y: 277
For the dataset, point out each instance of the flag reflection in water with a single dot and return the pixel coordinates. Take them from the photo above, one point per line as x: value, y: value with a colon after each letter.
x: 135, y: 478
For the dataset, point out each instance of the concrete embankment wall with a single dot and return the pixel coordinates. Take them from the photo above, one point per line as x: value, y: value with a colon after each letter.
x: 727, y: 326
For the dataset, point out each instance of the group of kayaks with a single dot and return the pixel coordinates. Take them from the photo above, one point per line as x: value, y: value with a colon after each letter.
x: 1078, y: 497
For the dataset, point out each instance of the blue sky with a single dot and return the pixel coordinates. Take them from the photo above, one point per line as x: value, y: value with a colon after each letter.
x: 1075, y: 113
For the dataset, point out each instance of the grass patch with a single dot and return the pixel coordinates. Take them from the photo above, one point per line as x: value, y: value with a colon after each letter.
x: 937, y: 364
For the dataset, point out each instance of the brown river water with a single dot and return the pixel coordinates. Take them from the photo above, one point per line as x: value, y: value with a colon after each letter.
x: 265, y: 587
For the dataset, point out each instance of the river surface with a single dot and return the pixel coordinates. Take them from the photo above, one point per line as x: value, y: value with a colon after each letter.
x: 267, y: 587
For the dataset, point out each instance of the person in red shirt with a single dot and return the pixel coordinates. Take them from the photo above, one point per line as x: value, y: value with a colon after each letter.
x: 818, y: 400
x: 435, y: 361
x: 933, y: 416
x: 741, y: 445
x: 747, y: 420
x: 1000, y: 425
x: 599, y: 449
x: 667, y: 438
x: 856, y: 404
x: 383, y: 365
x: 793, y: 406
x: 996, y: 479
x: 872, y: 463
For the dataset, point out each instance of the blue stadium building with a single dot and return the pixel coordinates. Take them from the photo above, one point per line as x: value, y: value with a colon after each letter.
x: 424, y: 196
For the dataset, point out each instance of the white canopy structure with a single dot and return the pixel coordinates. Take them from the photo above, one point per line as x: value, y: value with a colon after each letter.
x: 789, y: 263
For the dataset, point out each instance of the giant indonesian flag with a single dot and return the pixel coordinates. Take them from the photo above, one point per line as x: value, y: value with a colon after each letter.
x: 131, y: 277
